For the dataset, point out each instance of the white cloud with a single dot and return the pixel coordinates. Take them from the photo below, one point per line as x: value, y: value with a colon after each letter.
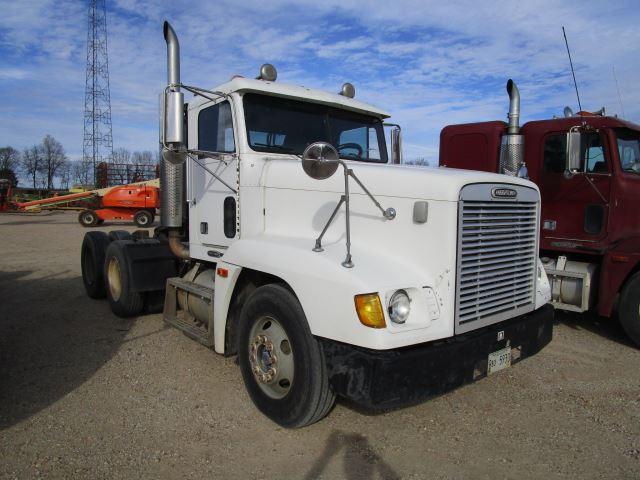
x: 429, y: 63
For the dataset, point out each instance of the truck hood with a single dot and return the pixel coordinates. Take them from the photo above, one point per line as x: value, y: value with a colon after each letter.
x: 401, y: 181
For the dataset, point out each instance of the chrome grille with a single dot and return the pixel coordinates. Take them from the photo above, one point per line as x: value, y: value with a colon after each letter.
x: 497, y: 258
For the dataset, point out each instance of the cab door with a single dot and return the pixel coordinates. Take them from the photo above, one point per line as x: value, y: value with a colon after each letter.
x: 575, y: 208
x: 212, y: 204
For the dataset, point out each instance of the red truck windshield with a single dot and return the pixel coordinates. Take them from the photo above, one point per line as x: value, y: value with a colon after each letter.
x: 629, y: 149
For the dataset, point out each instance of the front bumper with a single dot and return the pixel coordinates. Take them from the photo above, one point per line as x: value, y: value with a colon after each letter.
x: 385, y: 379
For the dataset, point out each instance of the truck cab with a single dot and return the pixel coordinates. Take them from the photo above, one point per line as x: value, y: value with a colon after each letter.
x: 292, y: 238
x: 590, y: 228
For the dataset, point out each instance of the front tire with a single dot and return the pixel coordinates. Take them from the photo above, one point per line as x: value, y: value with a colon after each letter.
x: 124, y: 303
x: 282, y: 364
x: 629, y: 308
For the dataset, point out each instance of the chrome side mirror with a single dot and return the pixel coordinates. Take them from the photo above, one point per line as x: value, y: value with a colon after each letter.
x: 573, y: 153
x: 320, y: 160
x: 396, y: 146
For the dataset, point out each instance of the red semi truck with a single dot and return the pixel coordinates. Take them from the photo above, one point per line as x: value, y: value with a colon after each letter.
x: 587, y: 166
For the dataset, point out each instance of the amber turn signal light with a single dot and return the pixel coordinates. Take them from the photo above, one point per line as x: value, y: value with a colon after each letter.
x: 370, y: 310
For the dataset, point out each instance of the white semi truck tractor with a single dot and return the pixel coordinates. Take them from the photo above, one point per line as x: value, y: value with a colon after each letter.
x: 289, y: 237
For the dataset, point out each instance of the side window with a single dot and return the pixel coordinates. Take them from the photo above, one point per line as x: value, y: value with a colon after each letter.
x: 215, y: 129
x: 555, y: 147
x: 555, y: 154
x: 354, y: 142
x: 594, y: 155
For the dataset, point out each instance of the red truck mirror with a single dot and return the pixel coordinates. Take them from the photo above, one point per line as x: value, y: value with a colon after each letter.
x: 574, y: 153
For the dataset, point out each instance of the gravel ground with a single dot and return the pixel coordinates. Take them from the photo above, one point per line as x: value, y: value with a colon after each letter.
x: 84, y: 394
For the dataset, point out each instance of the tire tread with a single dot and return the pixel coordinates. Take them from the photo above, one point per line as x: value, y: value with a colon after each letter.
x: 628, y: 313
x: 130, y: 303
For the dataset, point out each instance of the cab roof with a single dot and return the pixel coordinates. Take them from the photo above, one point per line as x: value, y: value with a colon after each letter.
x: 242, y: 85
x: 562, y: 124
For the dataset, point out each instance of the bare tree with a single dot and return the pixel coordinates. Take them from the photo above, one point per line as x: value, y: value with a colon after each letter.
x: 82, y: 172
x: 64, y: 173
x: 9, y: 163
x: 31, y: 163
x: 53, y: 157
x: 122, y: 156
x: 143, y: 165
x: 419, y: 161
x: 121, y: 164
x: 9, y: 158
x: 143, y: 158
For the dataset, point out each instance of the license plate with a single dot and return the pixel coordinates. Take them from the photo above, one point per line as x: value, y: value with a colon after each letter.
x: 499, y: 360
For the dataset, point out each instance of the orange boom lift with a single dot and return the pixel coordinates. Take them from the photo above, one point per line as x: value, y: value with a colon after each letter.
x: 136, y: 202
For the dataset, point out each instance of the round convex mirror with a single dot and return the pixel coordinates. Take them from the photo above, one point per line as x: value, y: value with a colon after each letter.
x: 320, y: 160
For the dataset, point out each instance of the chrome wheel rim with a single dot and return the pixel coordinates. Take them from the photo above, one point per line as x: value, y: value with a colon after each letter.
x: 113, y: 278
x: 271, y: 357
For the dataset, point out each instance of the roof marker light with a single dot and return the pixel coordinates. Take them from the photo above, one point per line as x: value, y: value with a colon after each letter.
x: 268, y: 73
x: 348, y: 90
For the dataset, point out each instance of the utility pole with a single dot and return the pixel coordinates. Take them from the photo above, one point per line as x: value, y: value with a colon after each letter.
x: 98, y: 138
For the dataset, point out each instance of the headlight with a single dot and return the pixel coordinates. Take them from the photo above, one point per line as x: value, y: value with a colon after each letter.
x: 399, y: 307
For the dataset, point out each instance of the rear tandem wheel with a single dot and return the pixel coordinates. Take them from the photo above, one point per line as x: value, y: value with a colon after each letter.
x: 123, y: 301
x: 92, y: 255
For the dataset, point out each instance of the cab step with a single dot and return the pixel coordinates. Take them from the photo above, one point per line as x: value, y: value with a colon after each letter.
x: 183, y: 320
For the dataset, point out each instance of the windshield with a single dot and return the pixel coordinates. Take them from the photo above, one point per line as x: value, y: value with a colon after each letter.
x: 629, y: 149
x: 281, y: 125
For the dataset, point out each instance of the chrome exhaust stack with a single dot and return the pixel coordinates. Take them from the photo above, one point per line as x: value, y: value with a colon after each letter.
x: 173, y: 56
x: 172, y: 141
x: 514, y: 108
x: 512, y: 145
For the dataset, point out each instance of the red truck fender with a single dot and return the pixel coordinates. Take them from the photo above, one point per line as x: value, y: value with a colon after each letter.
x: 618, y: 264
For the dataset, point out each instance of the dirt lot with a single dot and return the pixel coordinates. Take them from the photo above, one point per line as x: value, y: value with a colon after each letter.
x: 84, y: 394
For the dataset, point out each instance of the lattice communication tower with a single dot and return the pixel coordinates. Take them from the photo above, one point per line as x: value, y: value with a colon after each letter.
x: 98, y: 136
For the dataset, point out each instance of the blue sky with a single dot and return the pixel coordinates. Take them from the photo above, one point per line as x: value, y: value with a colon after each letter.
x: 429, y: 63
